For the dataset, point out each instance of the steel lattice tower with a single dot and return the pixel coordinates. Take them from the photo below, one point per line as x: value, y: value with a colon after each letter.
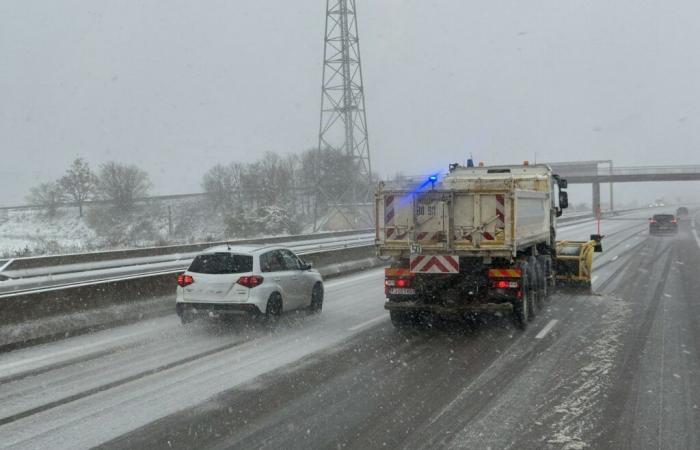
x: 343, y: 122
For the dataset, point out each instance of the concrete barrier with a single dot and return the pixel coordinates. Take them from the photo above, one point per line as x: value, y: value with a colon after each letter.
x: 132, y: 290
x: 78, y: 258
x: 32, y: 318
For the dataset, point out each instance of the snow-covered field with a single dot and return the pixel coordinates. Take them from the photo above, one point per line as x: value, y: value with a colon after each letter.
x: 29, y: 230
x: 26, y: 232
x: 154, y: 222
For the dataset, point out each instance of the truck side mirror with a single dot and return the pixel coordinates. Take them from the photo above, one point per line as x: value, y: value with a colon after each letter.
x: 563, y: 200
x: 563, y: 184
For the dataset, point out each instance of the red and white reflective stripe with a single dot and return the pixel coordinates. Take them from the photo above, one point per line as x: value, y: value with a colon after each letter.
x: 500, y: 211
x: 488, y: 236
x: 388, y: 210
x: 434, y: 264
x: 389, y: 230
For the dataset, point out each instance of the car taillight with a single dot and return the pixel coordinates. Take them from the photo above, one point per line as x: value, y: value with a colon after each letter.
x: 184, y: 280
x: 399, y: 283
x: 250, y: 281
x: 652, y: 221
x: 505, y: 284
x: 674, y: 221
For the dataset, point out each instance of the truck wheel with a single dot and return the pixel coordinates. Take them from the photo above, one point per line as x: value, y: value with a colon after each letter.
x: 521, y: 311
x: 521, y: 307
x: 534, y: 298
x: 551, y: 275
x: 546, y: 265
x: 401, y: 319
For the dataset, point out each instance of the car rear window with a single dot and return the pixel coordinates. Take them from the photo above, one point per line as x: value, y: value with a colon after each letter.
x: 221, y: 263
x: 663, y: 217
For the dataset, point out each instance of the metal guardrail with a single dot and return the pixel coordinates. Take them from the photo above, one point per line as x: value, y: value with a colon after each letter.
x: 92, y: 257
x: 44, y: 278
x: 57, y: 277
x: 172, y: 267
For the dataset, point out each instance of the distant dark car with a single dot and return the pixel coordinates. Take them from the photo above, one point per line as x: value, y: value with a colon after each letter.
x: 682, y: 213
x: 663, y: 223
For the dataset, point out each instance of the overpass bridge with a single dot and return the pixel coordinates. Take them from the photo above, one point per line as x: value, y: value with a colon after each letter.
x: 591, y: 172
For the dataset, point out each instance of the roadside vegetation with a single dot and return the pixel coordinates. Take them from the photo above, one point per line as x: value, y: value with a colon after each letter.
x: 109, y: 206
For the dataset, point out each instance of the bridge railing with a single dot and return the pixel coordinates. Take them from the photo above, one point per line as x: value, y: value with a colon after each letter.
x: 651, y: 170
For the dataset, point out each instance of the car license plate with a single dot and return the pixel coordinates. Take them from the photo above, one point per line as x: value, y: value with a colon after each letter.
x: 402, y: 291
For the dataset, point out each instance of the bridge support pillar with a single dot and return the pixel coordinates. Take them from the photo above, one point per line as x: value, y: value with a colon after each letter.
x: 596, y: 197
x: 612, y: 205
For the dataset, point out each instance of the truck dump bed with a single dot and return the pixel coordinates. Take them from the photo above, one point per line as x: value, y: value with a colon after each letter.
x: 492, y: 211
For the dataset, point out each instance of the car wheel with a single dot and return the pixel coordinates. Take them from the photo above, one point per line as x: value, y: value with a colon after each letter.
x: 273, y: 310
x: 186, y: 317
x: 316, y: 299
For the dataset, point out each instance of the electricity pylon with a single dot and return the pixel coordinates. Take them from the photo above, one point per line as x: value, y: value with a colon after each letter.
x: 343, y: 122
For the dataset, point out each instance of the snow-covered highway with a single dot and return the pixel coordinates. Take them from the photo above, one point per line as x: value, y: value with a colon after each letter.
x: 618, y: 369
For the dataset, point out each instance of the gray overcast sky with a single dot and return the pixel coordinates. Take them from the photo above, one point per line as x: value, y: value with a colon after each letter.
x: 177, y: 86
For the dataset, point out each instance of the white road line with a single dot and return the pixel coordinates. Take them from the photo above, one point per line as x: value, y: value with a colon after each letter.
x: 373, y: 273
x: 695, y: 233
x: 369, y: 322
x: 81, y: 350
x: 546, y: 329
x: 595, y: 277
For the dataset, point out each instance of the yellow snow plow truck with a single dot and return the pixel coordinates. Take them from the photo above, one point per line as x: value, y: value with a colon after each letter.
x: 478, y: 239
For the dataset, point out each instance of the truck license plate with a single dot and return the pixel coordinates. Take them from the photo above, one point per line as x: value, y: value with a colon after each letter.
x: 402, y: 291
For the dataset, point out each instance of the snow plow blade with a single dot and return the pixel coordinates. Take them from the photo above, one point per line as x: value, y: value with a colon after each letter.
x: 575, y: 262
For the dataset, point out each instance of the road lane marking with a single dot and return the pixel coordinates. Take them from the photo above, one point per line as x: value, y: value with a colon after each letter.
x: 81, y: 349
x: 369, y: 322
x: 695, y: 233
x: 546, y: 329
x: 345, y: 280
x: 595, y: 277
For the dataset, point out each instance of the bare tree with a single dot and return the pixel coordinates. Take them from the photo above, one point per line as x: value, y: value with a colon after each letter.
x: 79, y: 183
x: 275, y: 177
x: 122, y: 184
x: 222, y: 184
x: 48, y: 196
x: 217, y: 184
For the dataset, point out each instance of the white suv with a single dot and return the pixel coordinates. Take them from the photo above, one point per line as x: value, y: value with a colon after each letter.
x: 255, y: 280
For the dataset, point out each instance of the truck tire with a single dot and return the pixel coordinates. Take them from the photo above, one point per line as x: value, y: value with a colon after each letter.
x: 401, y: 319
x: 535, y: 288
x: 546, y: 265
x: 521, y: 307
x: 550, y: 276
